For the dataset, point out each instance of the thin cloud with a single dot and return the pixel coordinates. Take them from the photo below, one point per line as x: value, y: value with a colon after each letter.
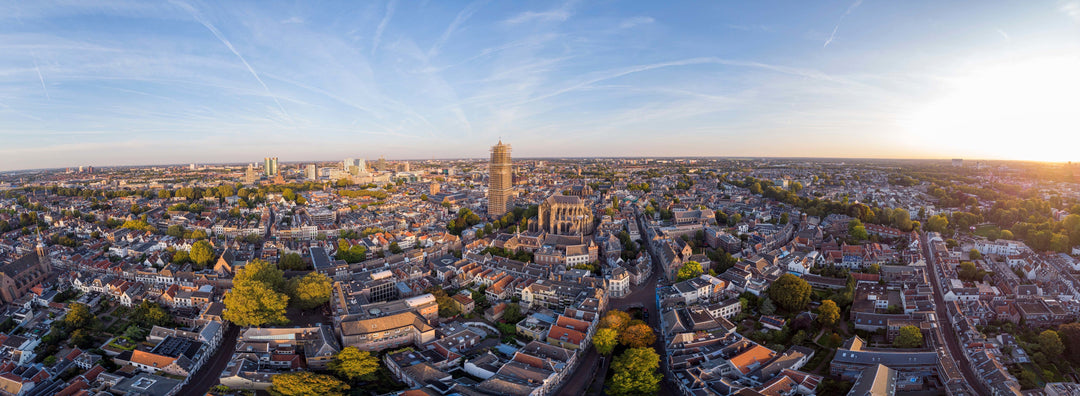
x: 812, y: 74
x: 198, y: 17
x: 293, y: 20
x: 837, y: 28
x: 1072, y: 9
x: 460, y: 19
x: 1003, y: 34
x: 636, y: 21
x: 544, y: 16
x: 382, y: 25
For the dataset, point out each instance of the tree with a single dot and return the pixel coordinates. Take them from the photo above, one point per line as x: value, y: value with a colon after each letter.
x: 638, y: 335
x: 1070, y: 337
x: 252, y: 303
x: 394, y: 248
x: 790, y: 292
x: 828, y: 313
x: 1050, y: 343
x: 512, y: 313
x: 937, y: 223
x: 690, y: 270
x: 292, y: 261
x: 605, y: 340
x: 311, y: 290
x: 150, y: 314
x: 615, y: 319
x: 767, y: 307
x: 201, y: 253
x: 79, y: 317
x: 968, y: 271
x: 909, y: 337
x: 635, y: 373
x: 1006, y: 234
x: 975, y: 254
x: 263, y: 271
x: 353, y: 364
x: 859, y: 234
x: 305, y: 383
x: 1059, y: 243
x: 256, y: 298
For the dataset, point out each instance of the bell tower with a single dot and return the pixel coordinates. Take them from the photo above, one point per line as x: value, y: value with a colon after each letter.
x: 43, y: 253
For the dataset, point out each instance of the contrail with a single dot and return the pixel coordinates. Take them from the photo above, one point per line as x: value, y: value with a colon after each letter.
x: 42, y: 79
x: 835, y: 29
x: 382, y: 25
x: 221, y: 37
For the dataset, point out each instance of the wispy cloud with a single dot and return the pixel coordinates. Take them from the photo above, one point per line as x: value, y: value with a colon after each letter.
x: 636, y: 21
x: 198, y: 17
x: 1003, y: 34
x: 543, y: 16
x: 293, y: 20
x: 1072, y: 9
x: 382, y: 25
x: 459, y: 20
x: 850, y: 8
x: 560, y: 14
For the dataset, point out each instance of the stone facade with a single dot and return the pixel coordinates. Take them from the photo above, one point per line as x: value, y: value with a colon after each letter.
x: 564, y: 215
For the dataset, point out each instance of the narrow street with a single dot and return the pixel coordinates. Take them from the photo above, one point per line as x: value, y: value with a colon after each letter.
x: 642, y: 296
x: 207, y: 376
x: 945, y: 324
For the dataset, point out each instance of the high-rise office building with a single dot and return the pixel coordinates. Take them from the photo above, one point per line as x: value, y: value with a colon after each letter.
x: 500, y: 180
x: 271, y: 167
x: 355, y: 166
x: 309, y: 172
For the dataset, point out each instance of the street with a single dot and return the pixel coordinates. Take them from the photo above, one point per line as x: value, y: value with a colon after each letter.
x: 642, y: 296
x: 207, y: 376
x: 945, y: 325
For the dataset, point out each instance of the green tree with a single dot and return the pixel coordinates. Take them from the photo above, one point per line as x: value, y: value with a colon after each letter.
x: 394, y: 248
x: 638, y: 335
x: 605, y: 340
x: 1070, y: 336
x: 690, y: 270
x: 79, y: 317
x: 1050, y: 343
x: 352, y: 364
x: 766, y: 307
x: 828, y: 313
x: 975, y: 254
x: 859, y: 234
x: 311, y: 290
x: 201, y: 253
x: 937, y: 223
x: 292, y: 262
x: 968, y: 271
x: 790, y: 292
x: 150, y: 314
x: 909, y: 337
x: 635, y: 373
x: 305, y: 383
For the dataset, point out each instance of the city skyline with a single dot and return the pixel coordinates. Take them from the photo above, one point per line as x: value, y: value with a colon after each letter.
x: 182, y: 82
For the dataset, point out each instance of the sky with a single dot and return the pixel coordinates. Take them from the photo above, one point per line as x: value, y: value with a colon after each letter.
x: 117, y: 82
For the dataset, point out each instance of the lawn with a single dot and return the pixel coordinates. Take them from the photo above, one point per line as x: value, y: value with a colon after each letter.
x: 986, y: 230
x: 122, y: 343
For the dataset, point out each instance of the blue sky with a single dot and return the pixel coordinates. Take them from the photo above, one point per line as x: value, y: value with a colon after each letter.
x: 133, y: 82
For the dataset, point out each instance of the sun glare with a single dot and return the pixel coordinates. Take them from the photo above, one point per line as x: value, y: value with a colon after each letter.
x: 1027, y: 110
